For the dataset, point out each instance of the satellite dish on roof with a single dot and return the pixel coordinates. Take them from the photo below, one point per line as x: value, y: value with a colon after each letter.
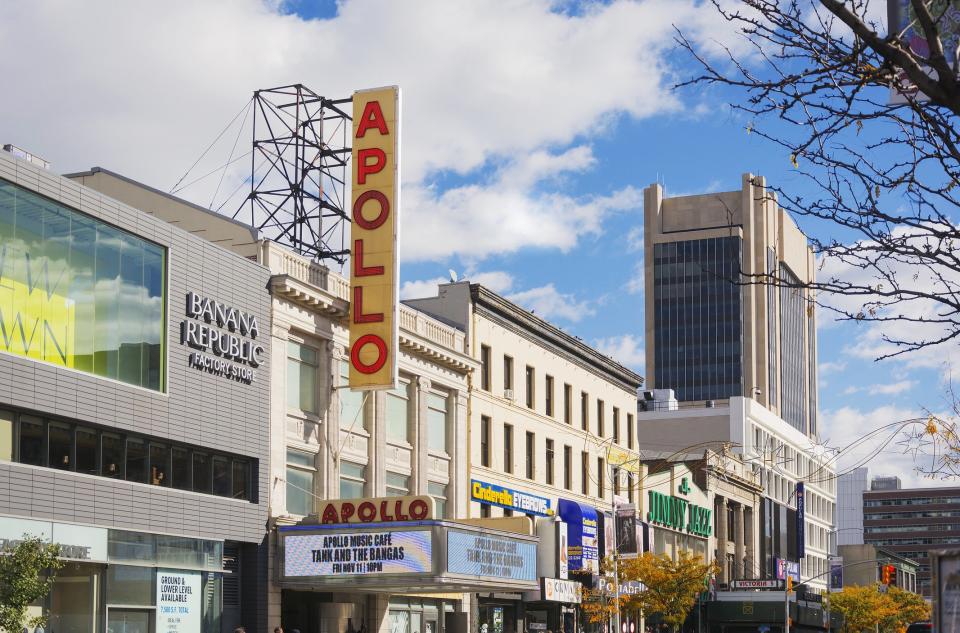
x: 453, y: 275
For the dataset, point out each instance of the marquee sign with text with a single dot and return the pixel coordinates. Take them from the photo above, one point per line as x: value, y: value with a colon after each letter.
x: 358, y: 553
x: 377, y: 510
x: 374, y: 238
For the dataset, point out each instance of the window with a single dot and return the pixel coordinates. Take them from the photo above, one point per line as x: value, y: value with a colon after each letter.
x: 629, y: 487
x: 567, y: 467
x: 351, y: 402
x: 508, y: 448
x: 140, y: 459
x: 530, y: 388
x: 507, y: 374
x: 531, y: 466
x: 616, y: 425
x: 600, y: 429
x: 630, y: 430
x: 585, y: 472
x: 111, y: 451
x: 202, y: 476
x: 601, y: 475
x: 439, y: 493
x: 548, y: 388
x: 485, y: 441
x: 159, y: 464
x: 353, y: 479
x: 584, y: 411
x: 59, y: 442
x: 507, y: 512
x: 101, y: 309
x: 301, y: 482
x: 437, y: 422
x: 616, y: 481
x: 136, y: 460
x: 181, y: 471
x: 485, y: 367
x: 484, y: 511
x: 567, y: 404
x: 302, y: 363
x: 398, y: 413
x: 549, y: 464
x: 31, y: 441
x: 398, y: 484
x: 87, y: 452
x: 6, y: 436
x: 221, y: 476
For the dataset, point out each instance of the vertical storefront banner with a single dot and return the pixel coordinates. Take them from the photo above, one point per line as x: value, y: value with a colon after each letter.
x: 836, y: 573
x: 178, y: 601
x: 374, y: 238
x: 563, y: 557
x: 582, y: 527
x: 801, y: 520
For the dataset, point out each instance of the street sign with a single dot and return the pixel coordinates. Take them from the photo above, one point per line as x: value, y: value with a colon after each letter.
x: 756, y: 584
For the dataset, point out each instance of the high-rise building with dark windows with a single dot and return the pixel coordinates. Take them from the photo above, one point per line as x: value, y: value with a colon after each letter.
x: 713, y: 329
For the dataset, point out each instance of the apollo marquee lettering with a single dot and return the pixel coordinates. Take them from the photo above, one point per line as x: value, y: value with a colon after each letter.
x: 221, y: 330
x: 678, y: 514
x: 383, y: 510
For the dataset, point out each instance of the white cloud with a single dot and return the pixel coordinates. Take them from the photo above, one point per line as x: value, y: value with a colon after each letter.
x: 626, y: 350
x: 635, y: 239
x: 892, y: 388
x: 830, y: 367
x: 548, y: 303
x: 635, y: 284
x: 141, y: 88
x: 848, y: 428
x: 420, y: 289
x: 498, y: 281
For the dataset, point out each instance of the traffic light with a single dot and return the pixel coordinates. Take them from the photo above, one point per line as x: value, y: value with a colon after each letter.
x: 789, y: 584
x: 888, y: 575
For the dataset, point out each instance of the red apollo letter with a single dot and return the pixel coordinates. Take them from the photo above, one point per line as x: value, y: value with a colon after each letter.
x: 419, y: 509
x: 367, y: 512
x: 329, y: 515
x: 362, y: 199
x: 374, y: 367
x: 372, y: 117
x: 358, y: 315
x: 363, y: 168
x: 359, y: 270
x: 346, y: 511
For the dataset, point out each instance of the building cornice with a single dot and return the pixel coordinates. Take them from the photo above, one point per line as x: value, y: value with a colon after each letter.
x: 308, y: 296
x: 490, y: 304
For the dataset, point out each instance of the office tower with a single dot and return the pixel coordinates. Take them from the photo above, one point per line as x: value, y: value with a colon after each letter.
x: 714, y: 329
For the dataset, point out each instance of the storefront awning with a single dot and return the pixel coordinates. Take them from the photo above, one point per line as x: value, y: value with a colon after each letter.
x: 403, y: 557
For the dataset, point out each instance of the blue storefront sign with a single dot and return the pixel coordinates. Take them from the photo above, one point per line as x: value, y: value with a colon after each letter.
x: 801, y: 520
x: 494, y: 495
x: 787, y: 568
x: 582, y: 524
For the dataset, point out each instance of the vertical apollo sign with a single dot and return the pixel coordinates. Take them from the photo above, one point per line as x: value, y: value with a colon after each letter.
x: 374, y: 238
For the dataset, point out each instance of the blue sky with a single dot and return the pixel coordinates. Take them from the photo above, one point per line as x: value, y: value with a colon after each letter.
x: 530, y: 130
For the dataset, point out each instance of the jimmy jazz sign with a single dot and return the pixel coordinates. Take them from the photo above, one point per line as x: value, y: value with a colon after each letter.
x: 224, y: 337
x: 678, y: 513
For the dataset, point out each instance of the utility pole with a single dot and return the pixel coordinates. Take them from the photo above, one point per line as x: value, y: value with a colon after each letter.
x: 616, y: 571
x: 788, y: 589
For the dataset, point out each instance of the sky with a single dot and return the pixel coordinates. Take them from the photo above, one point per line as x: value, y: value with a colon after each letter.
x: 530, y: 129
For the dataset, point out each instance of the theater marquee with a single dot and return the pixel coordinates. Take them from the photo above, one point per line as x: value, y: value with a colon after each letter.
x: 374, y: 238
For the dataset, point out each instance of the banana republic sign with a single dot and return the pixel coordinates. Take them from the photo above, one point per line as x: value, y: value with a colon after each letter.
x: 224, y: 337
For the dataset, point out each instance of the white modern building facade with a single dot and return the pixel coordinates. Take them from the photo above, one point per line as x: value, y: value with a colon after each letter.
x: 850, y: 489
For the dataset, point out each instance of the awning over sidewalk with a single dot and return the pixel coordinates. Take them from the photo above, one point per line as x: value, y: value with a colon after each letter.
x: 414, y: 556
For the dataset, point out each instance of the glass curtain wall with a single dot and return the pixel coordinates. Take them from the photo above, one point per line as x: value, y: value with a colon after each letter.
x: 697, y: 309
x: 79, y: 293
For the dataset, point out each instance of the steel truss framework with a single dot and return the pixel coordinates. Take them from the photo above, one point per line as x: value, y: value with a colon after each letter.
x: 299, y: 170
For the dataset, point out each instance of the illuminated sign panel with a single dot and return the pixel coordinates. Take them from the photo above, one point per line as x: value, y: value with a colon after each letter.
x: 358, y: 553
x: 374, y: 238
x: 492, y: 556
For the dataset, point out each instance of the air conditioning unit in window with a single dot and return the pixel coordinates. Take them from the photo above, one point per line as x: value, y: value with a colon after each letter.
x: 508, y: 394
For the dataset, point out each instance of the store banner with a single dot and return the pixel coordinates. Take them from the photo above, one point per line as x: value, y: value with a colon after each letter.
x: 788, y: 568
x: 582, y: 524
x: 358, y: 553
x: 563, y: 555
x: 178, y: 601
x: 494, y: 495
x: 627, y: 543
x: 836, y: 573
x: 491, y: 556
x: 801, y: 520
x: 557, y: 590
